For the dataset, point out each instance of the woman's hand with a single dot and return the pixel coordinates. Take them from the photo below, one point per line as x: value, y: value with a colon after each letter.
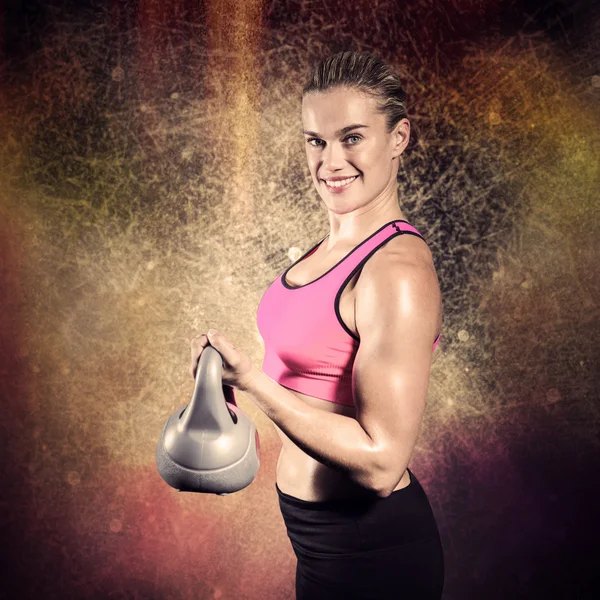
x: 238, y: 369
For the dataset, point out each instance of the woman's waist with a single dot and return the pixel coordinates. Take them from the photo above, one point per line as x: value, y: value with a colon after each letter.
x: 303, y: 477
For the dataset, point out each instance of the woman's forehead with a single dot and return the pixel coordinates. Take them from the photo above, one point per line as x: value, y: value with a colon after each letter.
x: 330, y: 111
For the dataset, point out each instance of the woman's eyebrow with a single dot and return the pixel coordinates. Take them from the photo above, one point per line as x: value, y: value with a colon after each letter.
x: 338, y: 133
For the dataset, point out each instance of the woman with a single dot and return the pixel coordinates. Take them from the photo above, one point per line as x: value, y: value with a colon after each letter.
x: 349, y: 331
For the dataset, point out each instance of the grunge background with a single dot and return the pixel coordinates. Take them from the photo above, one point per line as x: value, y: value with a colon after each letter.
x: 153, y: 183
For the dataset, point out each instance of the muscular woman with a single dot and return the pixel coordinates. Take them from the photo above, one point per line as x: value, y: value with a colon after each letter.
x: 349, y: 331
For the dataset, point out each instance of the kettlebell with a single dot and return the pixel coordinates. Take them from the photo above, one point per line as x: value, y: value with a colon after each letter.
x: 211, y: 446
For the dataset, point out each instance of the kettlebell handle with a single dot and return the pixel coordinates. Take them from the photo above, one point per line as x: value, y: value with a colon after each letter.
x: 207, y: 409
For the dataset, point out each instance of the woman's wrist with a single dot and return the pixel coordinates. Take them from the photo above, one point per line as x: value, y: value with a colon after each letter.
x: 251, y: 380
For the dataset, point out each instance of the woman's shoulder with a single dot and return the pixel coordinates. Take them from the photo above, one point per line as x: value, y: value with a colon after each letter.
x: 399, y: 278
x: 407, y: 249
x: 403, y: 257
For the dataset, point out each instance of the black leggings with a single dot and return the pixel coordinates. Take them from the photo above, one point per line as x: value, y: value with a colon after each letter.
x: 376, y: 548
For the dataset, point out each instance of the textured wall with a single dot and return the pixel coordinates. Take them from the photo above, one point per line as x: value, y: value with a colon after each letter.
x: 153, y: 183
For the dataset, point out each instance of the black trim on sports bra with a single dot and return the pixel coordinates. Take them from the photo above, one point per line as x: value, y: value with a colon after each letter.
x: 359, y: 266
x: 289, y: 287
x: 354, y: 271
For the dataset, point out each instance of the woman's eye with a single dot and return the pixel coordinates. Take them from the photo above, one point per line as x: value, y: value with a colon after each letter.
x: 316, y: 142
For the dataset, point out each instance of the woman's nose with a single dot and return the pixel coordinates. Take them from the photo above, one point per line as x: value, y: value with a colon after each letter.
x: 333, y: 157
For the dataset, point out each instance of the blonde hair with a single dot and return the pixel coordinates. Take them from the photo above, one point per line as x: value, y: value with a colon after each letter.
x: 363, y: 72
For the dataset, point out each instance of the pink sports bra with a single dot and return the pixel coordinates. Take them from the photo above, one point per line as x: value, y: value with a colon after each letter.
x: 308, y: 347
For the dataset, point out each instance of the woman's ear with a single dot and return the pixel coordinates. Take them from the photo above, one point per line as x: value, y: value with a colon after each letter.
x: 401, y: 137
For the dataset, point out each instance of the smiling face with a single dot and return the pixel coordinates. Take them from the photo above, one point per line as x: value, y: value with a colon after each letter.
x: 346, y: 140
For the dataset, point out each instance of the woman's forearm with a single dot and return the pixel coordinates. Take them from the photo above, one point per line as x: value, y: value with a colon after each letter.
x: 334, y: 440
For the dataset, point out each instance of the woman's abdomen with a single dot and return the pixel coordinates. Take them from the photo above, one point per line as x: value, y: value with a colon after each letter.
x: 304, y: 477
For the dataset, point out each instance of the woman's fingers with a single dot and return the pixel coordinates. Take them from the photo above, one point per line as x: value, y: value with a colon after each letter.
x: 198, y: 344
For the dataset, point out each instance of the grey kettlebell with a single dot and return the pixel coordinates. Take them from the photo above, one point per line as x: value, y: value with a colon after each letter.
x: 211, y: 446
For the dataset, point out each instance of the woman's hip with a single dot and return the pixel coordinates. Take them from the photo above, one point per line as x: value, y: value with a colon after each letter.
x: 339, y: 529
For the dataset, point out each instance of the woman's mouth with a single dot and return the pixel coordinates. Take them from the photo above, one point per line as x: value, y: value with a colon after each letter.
x: 336, y: 187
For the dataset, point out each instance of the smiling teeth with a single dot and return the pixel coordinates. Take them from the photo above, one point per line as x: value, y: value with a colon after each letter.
x: 341, y: 183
